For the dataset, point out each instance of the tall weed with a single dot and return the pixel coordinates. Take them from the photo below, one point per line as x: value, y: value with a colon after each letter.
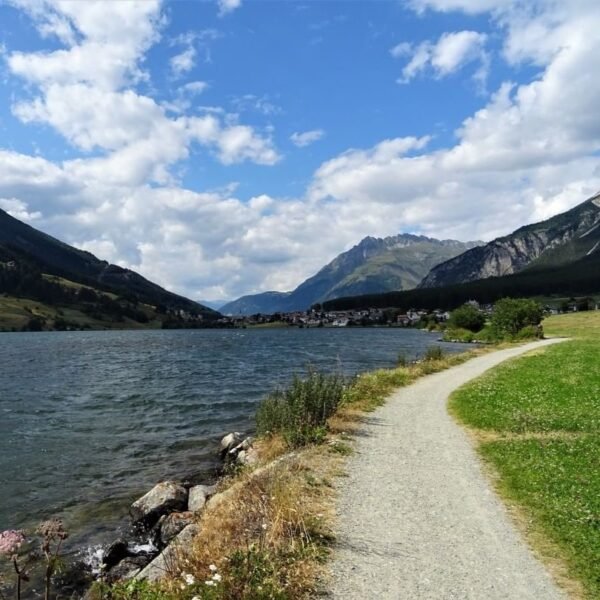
x: 300, y: 412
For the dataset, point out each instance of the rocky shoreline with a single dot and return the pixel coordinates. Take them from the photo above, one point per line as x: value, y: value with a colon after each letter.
x: 167, y: 518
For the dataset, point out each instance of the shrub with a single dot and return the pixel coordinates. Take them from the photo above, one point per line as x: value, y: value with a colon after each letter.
x: 488, y: 335
x: 300, y: 412
x: 467, y: 317
x: 433, y: 353
x: 530, y: 332
x: 458, y: 335
x: 511, y: 315
x: 402, y: 361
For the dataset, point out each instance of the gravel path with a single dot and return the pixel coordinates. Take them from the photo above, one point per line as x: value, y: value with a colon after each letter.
x: 418, y: 519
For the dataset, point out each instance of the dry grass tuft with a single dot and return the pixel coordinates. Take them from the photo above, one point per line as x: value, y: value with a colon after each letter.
x: 271, y: 447
x: 269, y: 538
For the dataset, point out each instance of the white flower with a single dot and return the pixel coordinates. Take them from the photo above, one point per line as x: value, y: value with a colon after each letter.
x: 189, y: 578
x: 213, y: 568
x: 264, y: 525
x: 216, y: 577
x: 209, y: 582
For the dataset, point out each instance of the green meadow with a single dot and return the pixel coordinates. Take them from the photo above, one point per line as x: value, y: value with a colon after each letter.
x: 537, y: 419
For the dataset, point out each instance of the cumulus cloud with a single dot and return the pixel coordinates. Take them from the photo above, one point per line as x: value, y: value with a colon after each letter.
x: 306, y: 137
x: 227, y: 6
x: 450, y: 53
x: 18, y: 209
x: 104, y: 45
x: 86, y: 95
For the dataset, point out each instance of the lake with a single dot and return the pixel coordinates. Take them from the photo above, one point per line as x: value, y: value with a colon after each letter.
x: 91, y: 420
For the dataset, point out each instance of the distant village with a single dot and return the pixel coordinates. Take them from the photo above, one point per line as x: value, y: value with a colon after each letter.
x: 382, y: 317
x: 347, y: 318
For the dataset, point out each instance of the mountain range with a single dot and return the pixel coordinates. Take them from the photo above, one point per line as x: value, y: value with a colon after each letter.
x: 560, y: 240
x: 375, y: 265
x: 556, y: 257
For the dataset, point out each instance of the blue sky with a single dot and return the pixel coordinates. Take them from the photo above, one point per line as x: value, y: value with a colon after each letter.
x: 229, y: 147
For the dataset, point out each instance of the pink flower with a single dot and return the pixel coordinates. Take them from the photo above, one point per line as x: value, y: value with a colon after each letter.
x: 10, y: 541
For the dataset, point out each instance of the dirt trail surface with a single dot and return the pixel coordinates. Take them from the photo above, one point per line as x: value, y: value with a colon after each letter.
x: 417, y: 517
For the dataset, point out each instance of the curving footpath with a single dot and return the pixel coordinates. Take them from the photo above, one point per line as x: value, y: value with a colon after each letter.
x: 417, y: 517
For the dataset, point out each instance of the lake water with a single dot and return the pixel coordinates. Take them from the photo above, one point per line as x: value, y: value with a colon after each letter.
x: 91, y: 420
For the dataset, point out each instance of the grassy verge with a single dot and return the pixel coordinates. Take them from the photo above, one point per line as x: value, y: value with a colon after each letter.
x: 270, y: 535
x: 537, y: 420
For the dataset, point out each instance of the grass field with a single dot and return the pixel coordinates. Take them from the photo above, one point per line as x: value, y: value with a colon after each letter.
x: 15, y: 313
x: 538, y: 422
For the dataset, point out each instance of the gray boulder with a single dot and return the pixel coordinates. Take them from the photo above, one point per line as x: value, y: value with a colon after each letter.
x: 170, y: 525
x: 246, y: 444
x: 166, y: 562
x: 114, y: 554
x: 231, y: 440
x: 247, y: 457
x: 162, y: 499
x: 127, y: 569
x: 198, y: 496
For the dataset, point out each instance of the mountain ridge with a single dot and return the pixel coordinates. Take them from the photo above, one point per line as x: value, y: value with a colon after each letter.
x: 371, y: 266
x: 561, y: 239
x: 41, y: 254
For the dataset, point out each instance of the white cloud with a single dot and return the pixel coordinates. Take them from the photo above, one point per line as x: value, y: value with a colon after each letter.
x: 450, y: 53
x: 86, y: 95
x: 227, y: 6
x: 112, y: 41
x: 184, y: 96
x: 194, y: 87
x: 183, y: 62
x: 18, y: 209
x: 261, y: 104
x: 402, y: 49
x: 467, y: 6
x: 307, y: 137
x: 239, y: 142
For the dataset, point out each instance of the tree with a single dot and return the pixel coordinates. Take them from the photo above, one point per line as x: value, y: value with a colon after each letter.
x: 584, y: 304
x: 34, y: 324
x: 511, y: 315
x: 467, y: 317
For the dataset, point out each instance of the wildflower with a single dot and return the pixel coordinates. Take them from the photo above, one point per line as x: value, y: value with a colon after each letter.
x: 264, y: 526
x: 189, y: 578
x: 210, y: 582
x: 10, y: 541
x: 217, y: 577
x: 52, y: 530
x: 213, y: 568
